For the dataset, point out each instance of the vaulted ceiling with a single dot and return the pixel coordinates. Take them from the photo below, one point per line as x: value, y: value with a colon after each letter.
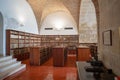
x: 43, y: 8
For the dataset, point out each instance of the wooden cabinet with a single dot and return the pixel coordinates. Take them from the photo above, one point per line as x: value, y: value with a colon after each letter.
x: 35, y: 56
x: 59, y: 56
x: 83, y: 54
x: 72, y: 50
x: 39, y: 55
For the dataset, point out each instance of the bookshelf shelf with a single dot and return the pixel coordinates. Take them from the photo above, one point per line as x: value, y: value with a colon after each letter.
x: 18, y: 43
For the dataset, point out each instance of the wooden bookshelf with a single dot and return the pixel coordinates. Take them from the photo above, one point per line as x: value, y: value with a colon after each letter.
x: 59, y: 40
x: 18, y: 43
x: 39, y: 55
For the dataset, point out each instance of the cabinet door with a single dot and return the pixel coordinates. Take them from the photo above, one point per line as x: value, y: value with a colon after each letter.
x: 83, y: 54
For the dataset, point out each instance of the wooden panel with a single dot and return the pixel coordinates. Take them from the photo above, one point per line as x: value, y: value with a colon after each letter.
x: 7, y: 42
x: 34, y: 56
x: 58, y: 56
x: 39, y: 55
x: 83, y: 54
x: 72, y: 52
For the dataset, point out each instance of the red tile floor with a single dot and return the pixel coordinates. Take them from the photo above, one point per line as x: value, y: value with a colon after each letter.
x: 48, y: 72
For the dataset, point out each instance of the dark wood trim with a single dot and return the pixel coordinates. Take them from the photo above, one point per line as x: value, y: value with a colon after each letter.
x: 7, y: 42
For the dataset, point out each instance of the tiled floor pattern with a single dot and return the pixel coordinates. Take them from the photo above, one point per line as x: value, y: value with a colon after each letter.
x: 48, y: 72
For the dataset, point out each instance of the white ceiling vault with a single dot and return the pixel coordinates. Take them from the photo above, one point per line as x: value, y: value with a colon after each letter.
x: 82, y: 12
x: 42, y: 8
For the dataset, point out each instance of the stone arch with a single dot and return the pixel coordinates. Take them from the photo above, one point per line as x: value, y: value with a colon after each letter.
x: 52, y: 8
x: 96, y: 4
x: 39, y: 6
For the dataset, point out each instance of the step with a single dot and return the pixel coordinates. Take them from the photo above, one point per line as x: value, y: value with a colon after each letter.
x: 11, y: 71
x: 7, y: 62
x: 1, y: 55
x: 7, y: 67
x: 2, y: 59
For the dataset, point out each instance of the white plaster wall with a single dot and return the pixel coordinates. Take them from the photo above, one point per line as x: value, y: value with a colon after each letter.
x: 65, y: 19
x: 18, y: 15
